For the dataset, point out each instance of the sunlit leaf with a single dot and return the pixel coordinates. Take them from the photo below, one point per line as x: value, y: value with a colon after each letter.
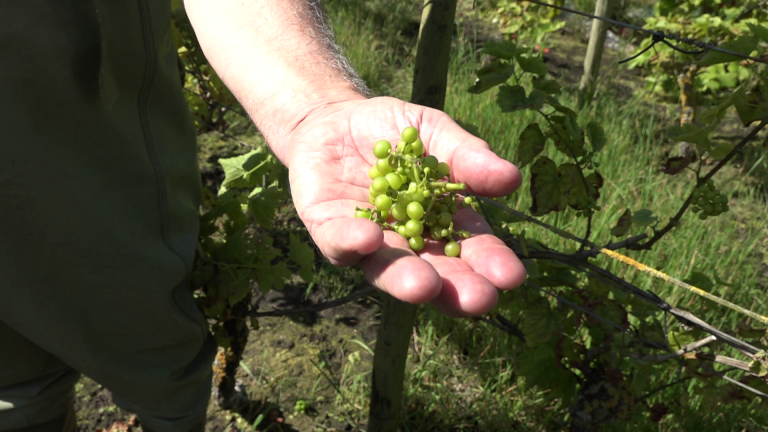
x: 643, y: 218
x: 531, y: 144
x: 623, y: 224
x: 490, y: 76
x: 546, y: 191
x: 504, y: 49
x: 511, y: 98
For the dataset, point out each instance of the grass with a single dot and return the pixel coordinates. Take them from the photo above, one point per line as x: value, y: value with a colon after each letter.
x: 462, y: 374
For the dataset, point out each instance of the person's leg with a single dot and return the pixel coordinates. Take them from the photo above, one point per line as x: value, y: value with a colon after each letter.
x: 100, y: 194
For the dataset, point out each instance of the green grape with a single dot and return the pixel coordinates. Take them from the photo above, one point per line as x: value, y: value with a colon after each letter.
x: 452, y: 209
x: 430, y: 219
x: 415, y: 210
x: 417, y: 147
x: 445, y: 219
x: 703, y: 216
x: 444, y: 169
x: 414, y: 228
x: 444, y: 233
x: 383, y: 202
x: 402, y: 231
x: 708, y: 208
x: 452, y: 249
x: 418, y: 196
x: 426, y: 193
x: 410, y: 134
x: 384, y: 214
x: 399, y: 212
x: 695, y: 209
x: 401, y: 146
x: 416, y: 243
x: 696, y: 194
x: 467, y: 200
x: 374, y: 173
x: 403, y: 198
x: 380, y: 185
x: 465, y: 234
x: 718, y: 208
x: 412, y: 187
x: 383, y: 166
x: 365, y: 214
x: 401, y: 170
x: 430, y: 162
x: 371, y: 196
x: 382, y: 149
x: 434, y: 234
x: 395, y: 180
x: 443, y: 208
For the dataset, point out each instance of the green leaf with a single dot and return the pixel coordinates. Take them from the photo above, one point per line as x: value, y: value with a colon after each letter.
x: 303, y: 256
x: 274, y: 278
x: 754, y: 106
x: 700, y: 280
x: 596, y: 136
x: 534, y: 65
x: 511, y: 98
x: 546, y: 191
x: 549, y: 87
x: 693, y: 134
x: 536, y: 99
x: 759, y: 31
x: 678, y: 340
x: 643, y: 218
x: 567, y: 136
x: 742, y: 45
x: 488, y: 77
x: 623, y: 224
x: 245, y: 170
x: 504, y: 49
x: 532, y: 142
x: 573, y: 188
x: 263, y: 205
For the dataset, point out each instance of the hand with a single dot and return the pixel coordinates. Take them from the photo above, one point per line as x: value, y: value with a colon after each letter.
x: 328, y: 169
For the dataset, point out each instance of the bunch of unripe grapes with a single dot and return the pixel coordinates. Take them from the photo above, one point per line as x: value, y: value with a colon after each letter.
x: 709, y: 201
x: 412, y: 194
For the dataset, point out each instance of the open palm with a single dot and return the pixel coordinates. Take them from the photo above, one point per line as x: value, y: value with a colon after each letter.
x: 329, y: 162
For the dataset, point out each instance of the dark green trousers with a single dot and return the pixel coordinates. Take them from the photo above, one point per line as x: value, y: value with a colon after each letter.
x: 99, y: 197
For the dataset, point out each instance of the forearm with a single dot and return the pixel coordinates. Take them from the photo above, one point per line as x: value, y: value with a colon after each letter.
x: 277, y: 57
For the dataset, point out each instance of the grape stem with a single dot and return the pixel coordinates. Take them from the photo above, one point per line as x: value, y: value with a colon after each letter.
x: 448, y: 186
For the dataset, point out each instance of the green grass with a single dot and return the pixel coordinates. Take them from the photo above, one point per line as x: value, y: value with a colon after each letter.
x: 462, y: 373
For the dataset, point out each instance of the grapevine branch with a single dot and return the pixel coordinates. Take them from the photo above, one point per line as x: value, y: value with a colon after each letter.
x: 676, y: 218
x: 682, y: 351
x: 683, y: 316
x: 316, y: 307
x: 656, y: 34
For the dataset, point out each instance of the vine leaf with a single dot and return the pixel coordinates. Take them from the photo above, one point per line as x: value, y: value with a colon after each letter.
x: 533, y: 64
x: 511, y: 98
x: 643, y: 218
x: 274, y: 278
x: 693, y: 134
x: 596, y: 136
x: 700, y: 280
x: 504, y: 49
x: 759, y: 31
x: 549, y: 87
x: 303, y: 256
x: 488, y: 77
x: 264, y: 202
x: 536, y: 99
x: 623, y: 224
x: 675, y: 165
x: 245, y: 170
x: 567, y: 136
x: 754, y: 106
x: 546, y: 191
x: 532, y: 142
x: 742, y: 45
x: 575, y: 191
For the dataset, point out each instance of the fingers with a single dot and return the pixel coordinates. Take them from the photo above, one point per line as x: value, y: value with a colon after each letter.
x: 397, y: 270
x: 486, y: 254
x: 471, y: 159
x: 345, y: 241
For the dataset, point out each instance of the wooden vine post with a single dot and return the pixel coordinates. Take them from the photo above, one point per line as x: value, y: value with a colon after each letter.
x: 594, y: 53
x: 430, y: 79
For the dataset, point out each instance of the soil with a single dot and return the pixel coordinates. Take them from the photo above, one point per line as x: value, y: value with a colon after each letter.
x: 288, y: 359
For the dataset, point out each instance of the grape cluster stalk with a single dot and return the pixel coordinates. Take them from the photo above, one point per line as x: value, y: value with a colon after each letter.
x: 412, y: 194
